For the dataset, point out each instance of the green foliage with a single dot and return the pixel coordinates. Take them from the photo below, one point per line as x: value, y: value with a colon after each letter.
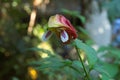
x: 108, y: 71
x: 74, y: 14
x: 104, y: 74
x: 111, y: 52
x: 113, y: 9
x: 83, y: 30
x: 16, y: 56
x: 90, y: 52
x: 40, y: 50
x: 110, y: 67
x: 54, y: 64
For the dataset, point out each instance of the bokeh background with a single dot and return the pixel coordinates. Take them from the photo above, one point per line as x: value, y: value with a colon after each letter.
x: 23, y: 22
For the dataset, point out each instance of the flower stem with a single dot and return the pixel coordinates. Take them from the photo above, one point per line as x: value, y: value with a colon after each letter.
x: 87, y: 76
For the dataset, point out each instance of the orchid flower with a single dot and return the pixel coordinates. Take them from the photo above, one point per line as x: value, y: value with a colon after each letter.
x: 62, y: 27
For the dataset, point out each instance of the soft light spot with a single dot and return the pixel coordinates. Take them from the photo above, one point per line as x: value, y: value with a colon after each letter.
x: 32, y: 20
x: 101, y: 30
x: 46, y: 46
x: 27, y: 8
x: 64, y: 36
x: 37, y: 2
x: 14, y: 4
x: 96, y: 47
x: 33, y: 73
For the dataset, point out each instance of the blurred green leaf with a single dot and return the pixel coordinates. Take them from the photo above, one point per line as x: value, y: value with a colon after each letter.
x: 108, y: 71
x: 112, y: 69
x: 50, y: 63
x: 39, y: 49
x: 111, y: 50
x: 77, y: 64
x: 104, y: 77
x: 55, y: 63
x: 83, y: 30
x: 81, y: 18
x: 113, y: 7
x: 74, y: 14
x: 115, y: 52
x: 104, y: 74
x: 90, y: 52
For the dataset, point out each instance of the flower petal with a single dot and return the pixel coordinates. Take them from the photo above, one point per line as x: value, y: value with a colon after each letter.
x: 46, y: 35
x: 64, y: 36
x: 66, y: 22
x: 54, y: 22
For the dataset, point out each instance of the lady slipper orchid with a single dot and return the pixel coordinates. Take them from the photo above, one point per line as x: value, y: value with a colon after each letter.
x: 62, y: 27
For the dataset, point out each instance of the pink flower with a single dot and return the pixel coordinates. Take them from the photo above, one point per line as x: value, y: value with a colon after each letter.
x: 62, y: 27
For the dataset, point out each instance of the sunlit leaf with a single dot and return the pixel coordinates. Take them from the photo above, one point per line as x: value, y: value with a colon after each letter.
x: 39, y: 49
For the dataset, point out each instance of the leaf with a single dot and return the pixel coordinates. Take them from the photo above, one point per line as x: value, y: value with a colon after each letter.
x: 39, y: 49
x: 108, y: 71
x: 90, y: 52
x: 112, y: 69
x: 115, y: 52
x: 83, y: 30
x: 81, y: 18
x: 104, y: 74
x: 112, y: 51
x: 104, y: 77
x: 51, y: 63
x: 74, y: 14
x: 67, y: 62
x: 77, y: 66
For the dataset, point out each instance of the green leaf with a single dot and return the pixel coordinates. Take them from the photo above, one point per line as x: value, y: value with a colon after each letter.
x: 83, y: 30
x: 104, y: 77
x: 108, y: 71
x: 112, y: 51
x: 104, y: 74
x: 81, y: 18
x: 77, y: 64
x: 90, y: 52
x: 74, y: 14
x: 67, y: 62
x: 112, y: 69
x: 115, y: 52
x: 51, y: 63
x: 39, y: 49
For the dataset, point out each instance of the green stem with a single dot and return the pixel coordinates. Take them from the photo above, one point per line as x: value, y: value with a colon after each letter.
x: 87, y: 76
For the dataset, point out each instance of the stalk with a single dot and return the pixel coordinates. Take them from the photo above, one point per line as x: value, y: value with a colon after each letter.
x: 87, y: 75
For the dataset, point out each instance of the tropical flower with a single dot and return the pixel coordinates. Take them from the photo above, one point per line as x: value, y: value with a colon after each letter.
x: 62, y: 27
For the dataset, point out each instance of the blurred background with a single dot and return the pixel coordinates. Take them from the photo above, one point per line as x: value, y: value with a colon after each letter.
x: 23, y: 22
